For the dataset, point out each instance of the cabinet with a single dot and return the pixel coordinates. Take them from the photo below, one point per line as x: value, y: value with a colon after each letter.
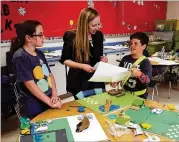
x: 117, y: 56
x: 124, y: 53
x: 60, y: 76
x: 112, y: 59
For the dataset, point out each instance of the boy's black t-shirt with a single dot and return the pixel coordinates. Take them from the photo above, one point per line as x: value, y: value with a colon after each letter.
x: 27, y: 67
x: 134, y: 84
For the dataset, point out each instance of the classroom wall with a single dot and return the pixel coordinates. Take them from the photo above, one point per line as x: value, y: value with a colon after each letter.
x: 173, y: 10
x: 141, y: 16
x: 56, y: 15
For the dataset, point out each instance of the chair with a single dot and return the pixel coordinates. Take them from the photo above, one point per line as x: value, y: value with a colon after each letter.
x: 9, y: 56
x: 153, y: 85
x: 7, y: 94
x: 158, y: 73
x: 16, y: 107
x: 87, y: 93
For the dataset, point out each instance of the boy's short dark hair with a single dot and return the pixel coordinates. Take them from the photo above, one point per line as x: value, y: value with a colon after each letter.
x: 144, y: 39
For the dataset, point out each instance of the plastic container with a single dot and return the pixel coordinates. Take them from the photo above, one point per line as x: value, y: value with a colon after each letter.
x: 152, y: 49
x: 159, y: 25
x: 168, y: 45
x: 176, y: 44
x: 176, y: 35
x: 175, y: 24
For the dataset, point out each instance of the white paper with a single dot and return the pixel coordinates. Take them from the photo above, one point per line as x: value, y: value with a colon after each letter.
x: 96, y: 65
x: 93, y: 133
x: 162, y: 62
x: 54, y: 53
x: 109, y: 73
x: 156, y: 59
x: 115, y: 47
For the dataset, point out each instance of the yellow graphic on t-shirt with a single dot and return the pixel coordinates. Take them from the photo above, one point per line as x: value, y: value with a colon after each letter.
x: 38, y: 73
x: 43, y: 85
x: 49, y: 81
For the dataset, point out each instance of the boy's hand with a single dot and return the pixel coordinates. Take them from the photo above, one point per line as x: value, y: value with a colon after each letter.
x: 135, y: 72
x: 114, y: 84
x: 104, y: 59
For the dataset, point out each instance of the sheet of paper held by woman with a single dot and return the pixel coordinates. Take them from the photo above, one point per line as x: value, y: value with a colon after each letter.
x: 109, y: 73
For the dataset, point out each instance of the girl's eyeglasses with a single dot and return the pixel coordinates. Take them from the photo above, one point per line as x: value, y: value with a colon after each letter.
x: 40, y: 35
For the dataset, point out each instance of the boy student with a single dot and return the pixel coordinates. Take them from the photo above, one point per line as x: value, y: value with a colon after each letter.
x: 141, y: 70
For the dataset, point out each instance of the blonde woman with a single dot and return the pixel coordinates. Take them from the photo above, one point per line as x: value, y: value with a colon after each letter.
x: 82, y: 49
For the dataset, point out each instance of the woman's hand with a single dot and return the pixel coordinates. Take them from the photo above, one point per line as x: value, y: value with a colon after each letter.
x: 104, y: 59
x: 87, y: 68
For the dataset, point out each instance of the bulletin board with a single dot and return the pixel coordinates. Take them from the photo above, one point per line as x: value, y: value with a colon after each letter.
x: 55, y: 16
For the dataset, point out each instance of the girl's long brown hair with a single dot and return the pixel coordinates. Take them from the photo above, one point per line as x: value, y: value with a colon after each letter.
x: 81, y: 43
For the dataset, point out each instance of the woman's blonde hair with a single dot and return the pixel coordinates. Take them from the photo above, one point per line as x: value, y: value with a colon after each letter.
x: 81, y: 43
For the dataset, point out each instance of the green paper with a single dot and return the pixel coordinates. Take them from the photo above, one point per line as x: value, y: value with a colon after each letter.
x: 122, y: 120
x: 125, y: 100
x: 160, y: 123
x: 138, y: 102
x: 173, y: 132
x: 168, y: 117
x: 58, y: 124
x: 61, y: 124
x: 138, y: 116
x: 157, y: 127
x: 122, y: 101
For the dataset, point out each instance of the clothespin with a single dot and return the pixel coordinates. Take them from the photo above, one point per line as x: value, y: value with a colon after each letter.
x: 107, y: 105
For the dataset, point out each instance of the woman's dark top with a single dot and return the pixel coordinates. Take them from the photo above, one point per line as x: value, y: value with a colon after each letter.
x: 77, y: 79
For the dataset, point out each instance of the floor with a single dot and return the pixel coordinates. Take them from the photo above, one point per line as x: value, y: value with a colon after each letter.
x: 10, y: 127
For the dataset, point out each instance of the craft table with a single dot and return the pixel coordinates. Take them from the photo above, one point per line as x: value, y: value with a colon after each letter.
x: 57, y: 113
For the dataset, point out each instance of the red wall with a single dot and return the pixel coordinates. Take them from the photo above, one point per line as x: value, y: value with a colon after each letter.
x: 135, y: 14
x: 55, y: 16
x: 108, y: 14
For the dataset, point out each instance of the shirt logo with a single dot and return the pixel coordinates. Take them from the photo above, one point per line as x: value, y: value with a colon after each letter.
x: 130, y: 65
x: 41, y: 62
